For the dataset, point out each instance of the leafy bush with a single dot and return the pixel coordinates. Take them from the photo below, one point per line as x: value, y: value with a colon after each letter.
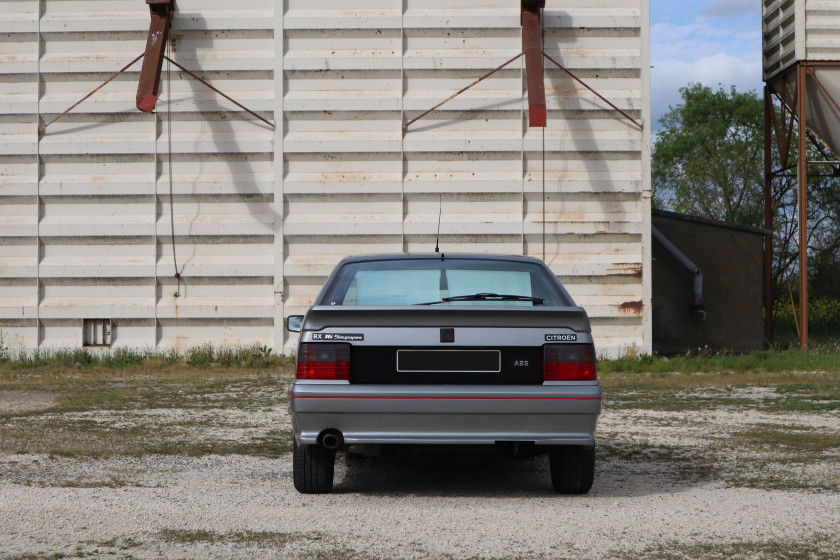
x: 201, y: 356
x: 122, y: 357
x: 823, y: 317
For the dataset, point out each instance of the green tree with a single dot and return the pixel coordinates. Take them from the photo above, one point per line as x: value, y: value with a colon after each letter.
x: 708, y: 160
x: 708, y: 156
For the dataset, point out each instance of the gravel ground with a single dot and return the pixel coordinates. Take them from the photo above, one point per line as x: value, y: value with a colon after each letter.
x: 15, y: 402
x: 664, y: 485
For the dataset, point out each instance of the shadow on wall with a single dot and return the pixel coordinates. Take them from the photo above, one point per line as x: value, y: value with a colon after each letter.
x: 214, y: 146
x: 211, y: 120
x: 599, y: 166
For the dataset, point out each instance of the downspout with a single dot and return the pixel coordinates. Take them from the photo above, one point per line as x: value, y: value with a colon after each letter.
x: 697, y: 306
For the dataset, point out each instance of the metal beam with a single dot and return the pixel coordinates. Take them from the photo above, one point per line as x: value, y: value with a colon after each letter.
x: 532, y: 45
x: 802, y: 176
x: 147, y: 89
x: 768, y: 214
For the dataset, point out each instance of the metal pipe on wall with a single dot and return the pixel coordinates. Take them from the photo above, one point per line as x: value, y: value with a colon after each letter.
x: 697, y: 305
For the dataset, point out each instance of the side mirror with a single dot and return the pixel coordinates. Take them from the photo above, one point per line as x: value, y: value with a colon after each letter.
x: 294, y: 323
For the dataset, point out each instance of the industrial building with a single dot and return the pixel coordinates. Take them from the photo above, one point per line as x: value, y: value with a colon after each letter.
x: 201, y: 223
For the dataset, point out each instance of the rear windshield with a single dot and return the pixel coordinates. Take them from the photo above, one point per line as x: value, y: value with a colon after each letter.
x: 448, y: 282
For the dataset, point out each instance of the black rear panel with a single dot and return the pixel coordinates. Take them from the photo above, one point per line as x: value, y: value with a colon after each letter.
x: 378, y: 364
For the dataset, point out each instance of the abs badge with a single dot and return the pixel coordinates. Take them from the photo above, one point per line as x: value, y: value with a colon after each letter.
x: 561, y: 338
x: 338, y: 337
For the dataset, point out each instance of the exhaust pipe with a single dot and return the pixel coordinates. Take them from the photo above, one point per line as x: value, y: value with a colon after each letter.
x: 331, y: 439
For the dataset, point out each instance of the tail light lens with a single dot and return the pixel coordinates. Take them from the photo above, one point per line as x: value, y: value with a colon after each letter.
x: 569, y: 362
x: 323, y: 361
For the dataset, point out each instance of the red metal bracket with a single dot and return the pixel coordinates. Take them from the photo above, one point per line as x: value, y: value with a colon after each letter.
x: 147, y: 89
x: 532, y: 45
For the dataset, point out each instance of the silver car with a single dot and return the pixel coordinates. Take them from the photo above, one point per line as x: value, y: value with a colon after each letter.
x: 441, y: 349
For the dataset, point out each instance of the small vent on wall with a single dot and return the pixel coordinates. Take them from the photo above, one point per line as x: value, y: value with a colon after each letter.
x: 96, y: 332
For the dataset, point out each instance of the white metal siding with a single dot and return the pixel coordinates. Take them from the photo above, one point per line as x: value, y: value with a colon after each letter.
x: 262, y: 216
x: 86, y: 224
x: 797, y: 30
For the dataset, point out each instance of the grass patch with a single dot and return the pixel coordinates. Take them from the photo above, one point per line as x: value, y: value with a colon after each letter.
x: 170, y: 388
x: 57, y: 435
x: 780, y: 457
x: 113, y: 404
x: 322, y: 547
x: 244, y: 538
x: 111, y: 482
x: 102, y: 412
x: 121, y: 543
x: 783, y: 391
x: 820, y: 547
x: 789, y: 360
x: 800, y: 442
x: 53, y: 556
x: 765, y: 456
x: 677, y: 464
x: 200, y: 357
x: 264, y: 447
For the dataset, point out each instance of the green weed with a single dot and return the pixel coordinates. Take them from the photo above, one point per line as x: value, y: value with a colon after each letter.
x: 246, y: 538
x: 259, y: 357
x: 792, y: 359
x: 816, y: 548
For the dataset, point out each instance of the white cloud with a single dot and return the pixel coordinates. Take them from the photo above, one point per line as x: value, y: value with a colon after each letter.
x: 711, y: 53
x: 699, y: 38
x: 731, y: 9
x: 670, y: 74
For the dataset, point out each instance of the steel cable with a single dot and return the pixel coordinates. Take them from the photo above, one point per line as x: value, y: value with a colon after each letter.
x: 169, y: 165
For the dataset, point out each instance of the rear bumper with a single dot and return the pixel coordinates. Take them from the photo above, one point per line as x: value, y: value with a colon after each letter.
x: 454, y: 414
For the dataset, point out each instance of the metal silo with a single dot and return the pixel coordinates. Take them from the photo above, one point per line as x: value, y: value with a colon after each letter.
x: 801, y: 44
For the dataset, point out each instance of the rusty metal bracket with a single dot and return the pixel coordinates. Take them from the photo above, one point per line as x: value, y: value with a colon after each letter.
x: 532, y: 45
x: 147, y: 90
x: 533, y: 53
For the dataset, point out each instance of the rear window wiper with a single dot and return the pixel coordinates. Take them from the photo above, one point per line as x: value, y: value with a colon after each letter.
x: 486, y: 297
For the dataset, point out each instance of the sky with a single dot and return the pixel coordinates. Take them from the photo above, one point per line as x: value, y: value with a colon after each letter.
x: 708, y: 41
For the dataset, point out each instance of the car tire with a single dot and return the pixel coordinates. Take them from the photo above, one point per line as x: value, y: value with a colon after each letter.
x: 572, y: 469
x: 313, y: 468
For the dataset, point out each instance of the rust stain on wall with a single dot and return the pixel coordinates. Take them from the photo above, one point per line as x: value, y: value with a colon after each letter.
x: 626, y: 269
x: 634, y: 307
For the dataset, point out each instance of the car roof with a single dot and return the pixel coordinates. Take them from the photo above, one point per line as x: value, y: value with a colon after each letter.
x: 439, y: 256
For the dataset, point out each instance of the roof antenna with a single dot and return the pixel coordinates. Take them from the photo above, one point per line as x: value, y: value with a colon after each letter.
x: 440, y: 212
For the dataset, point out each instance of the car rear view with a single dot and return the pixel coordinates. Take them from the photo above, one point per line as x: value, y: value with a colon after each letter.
x: 436, y: 350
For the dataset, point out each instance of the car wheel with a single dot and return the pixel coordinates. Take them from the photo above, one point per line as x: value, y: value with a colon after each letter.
x: 572, y: 469
x: 313, y: 468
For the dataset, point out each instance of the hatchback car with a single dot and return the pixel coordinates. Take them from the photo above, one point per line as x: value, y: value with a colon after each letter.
x: 401, y: 351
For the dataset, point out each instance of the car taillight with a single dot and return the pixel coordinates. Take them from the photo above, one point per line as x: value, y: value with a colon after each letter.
x: 569, y: 362
x: 323, y: 361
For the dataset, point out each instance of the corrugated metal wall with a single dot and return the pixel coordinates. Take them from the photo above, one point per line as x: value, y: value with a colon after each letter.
x: 261, y: 216
x: 796, y: 30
